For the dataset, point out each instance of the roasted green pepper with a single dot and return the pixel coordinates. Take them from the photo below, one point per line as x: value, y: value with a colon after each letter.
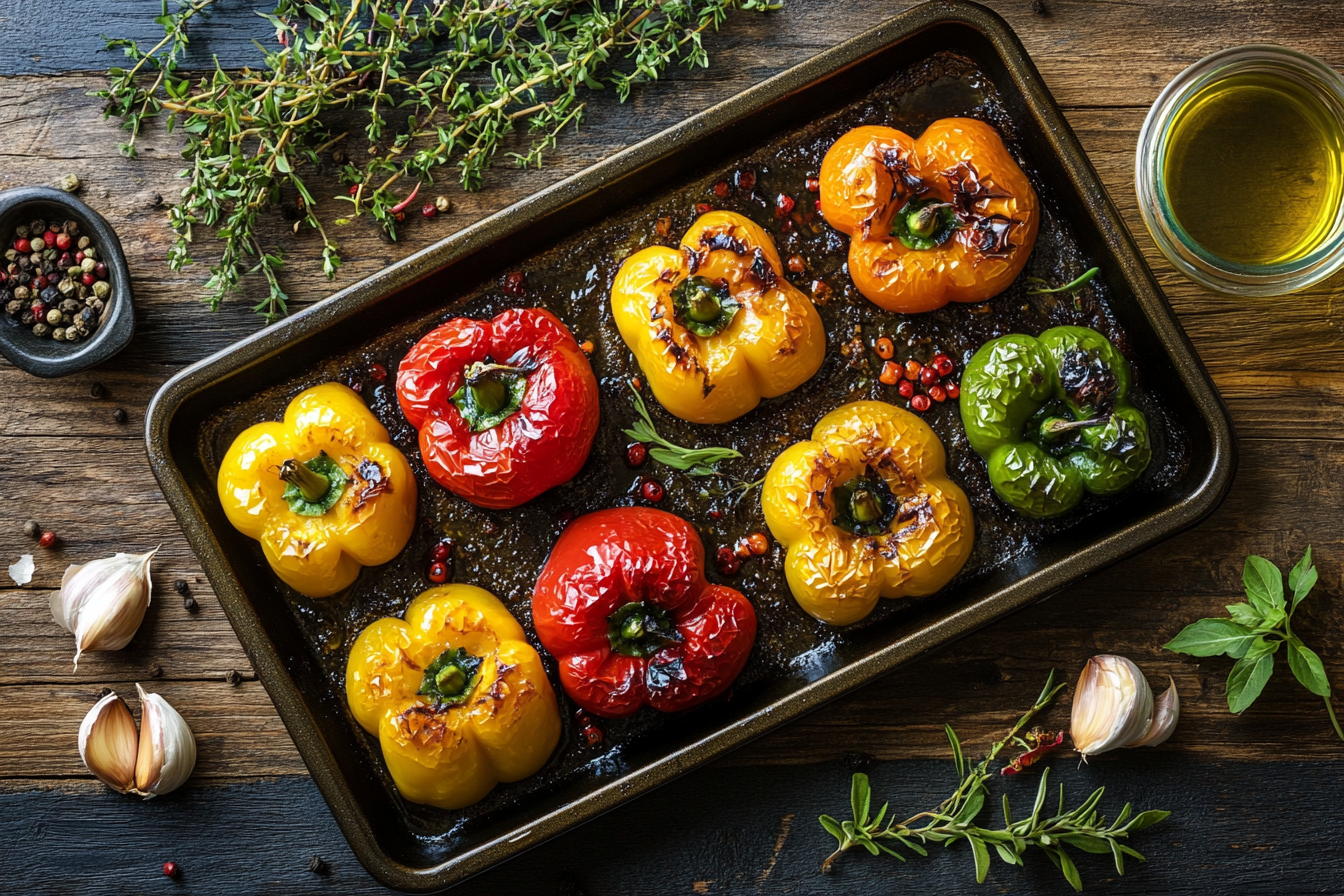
x: 1050, y: 416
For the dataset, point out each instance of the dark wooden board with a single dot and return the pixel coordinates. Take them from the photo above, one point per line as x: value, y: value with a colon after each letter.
x: 1252, y: 794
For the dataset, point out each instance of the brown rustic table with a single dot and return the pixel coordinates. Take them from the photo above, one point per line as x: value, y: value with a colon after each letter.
x: 1254, y: 797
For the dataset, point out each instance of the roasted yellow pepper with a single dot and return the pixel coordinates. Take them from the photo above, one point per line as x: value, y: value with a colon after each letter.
x: 714, y: 325
x: 458, y: 698
x: 323, y: 491
x: 866, y: 510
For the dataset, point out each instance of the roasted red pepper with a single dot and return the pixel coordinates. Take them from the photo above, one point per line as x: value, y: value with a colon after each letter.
x: 623, y: 605
x: 506, y: 408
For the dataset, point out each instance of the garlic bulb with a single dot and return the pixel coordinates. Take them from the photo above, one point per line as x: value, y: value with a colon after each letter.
x: 156, y: 761
x: 1113, y: 708
x: 102, y: 603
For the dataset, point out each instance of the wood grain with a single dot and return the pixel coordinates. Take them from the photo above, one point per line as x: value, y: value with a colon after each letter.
x: 65, y: 461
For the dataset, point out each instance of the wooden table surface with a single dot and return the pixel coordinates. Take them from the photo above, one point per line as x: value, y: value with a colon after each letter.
x: 1255, y: 798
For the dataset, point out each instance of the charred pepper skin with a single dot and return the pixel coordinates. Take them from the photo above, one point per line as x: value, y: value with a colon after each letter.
x: 448, y: 742
x: 980, y: 220
x: 320, y: 551
x: 1052, y: 419
x: 867, y: 511
x: 624, y: 606
x: 538, y: 438
x: 765, y: 340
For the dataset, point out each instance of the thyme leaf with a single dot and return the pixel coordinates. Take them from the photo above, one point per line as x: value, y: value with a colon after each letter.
x: 431, y: 84
x: 1255, y: 630
x: 693, y: 461
x: 954, y: 819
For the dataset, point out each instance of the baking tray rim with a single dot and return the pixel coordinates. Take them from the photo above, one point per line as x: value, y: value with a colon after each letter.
x: 260, y: 347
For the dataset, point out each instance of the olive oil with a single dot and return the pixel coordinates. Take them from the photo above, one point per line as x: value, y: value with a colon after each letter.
x: 1254, y: 169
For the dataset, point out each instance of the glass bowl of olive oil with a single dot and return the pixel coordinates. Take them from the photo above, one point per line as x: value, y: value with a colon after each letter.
x: 1240, y: 171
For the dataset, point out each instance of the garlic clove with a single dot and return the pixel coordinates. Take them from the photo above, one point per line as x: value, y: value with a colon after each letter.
x: 167, y: 751
x: 107, y: 743
x: 1112, y: 705
x: 103, y: 602
x: 1166, y: 712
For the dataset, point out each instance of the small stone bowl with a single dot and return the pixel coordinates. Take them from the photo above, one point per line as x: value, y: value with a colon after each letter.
x: 44, y: 356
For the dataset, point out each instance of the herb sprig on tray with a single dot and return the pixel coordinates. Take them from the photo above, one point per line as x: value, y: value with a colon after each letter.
x: 693, y: 461
x: 954, y: 820
x: 1256, y: 630
x: 431, y: 84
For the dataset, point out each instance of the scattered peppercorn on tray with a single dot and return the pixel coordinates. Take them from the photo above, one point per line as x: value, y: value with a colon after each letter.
x: 757, y: 155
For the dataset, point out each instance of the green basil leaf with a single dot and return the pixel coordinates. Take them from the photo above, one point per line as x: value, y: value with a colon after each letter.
x: 1247, y: 680
x: 1264, y: 583
x: 1245, y: 614
x: 1211, y: 637
x: 1302, y: 578
x: 1307, y: 666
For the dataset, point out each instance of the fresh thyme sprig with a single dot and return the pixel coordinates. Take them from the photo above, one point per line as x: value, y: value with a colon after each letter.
x: 435, y: 82
x: 954, y: 819
x: 693, y: 461
x: 1256, y: 631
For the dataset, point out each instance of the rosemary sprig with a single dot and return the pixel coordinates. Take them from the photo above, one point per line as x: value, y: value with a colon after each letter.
x: 433, y: 82
x: 1256, y: 630
x: 954, y: 819
x: 693, y: 461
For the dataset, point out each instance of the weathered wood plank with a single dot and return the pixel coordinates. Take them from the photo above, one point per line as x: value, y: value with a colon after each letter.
x: 719, y: 831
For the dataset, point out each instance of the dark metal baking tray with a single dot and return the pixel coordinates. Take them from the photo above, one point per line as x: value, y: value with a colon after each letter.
x: 937, y: 59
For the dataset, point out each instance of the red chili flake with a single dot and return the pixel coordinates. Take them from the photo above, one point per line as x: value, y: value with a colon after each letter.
x: 906, y: 388
x: 49, y: 239
x: 441, y: 551
x: 816, y: 206
x: 663, y: 226
x: 891, y: 373
x: 637, y: 383
x: 23, y: 246
x: 928, y: 376
x: 63, y: 241
x: 722, y: 189
x: 786, y: 225
x: 636, y: 453
x: 920, y: 403
x: 742, y: 549
x: 587, y: 346
x: 438, y: 573
x: 514, y: 282
x: 1041, y: 742
x: 354, y: 188
x: 652, y: 491
x: 912, y: 369
x: 400, y: 216
x: 796, y: 264
x: 953, y: 390
x: 938, y: 394
x: 88, y: 279
x: 943, y: 364
x: 725, y: 562
x: 821, y: 291
x: 813, y: 185
x: 885, y: 348
x: 592, y: 735
x: 170, y: 869
x: 47, y: 540
x: 703, y: 208
x: 759, y: 543
x: 378, y: 372
x: 746, y: 179
x: 429, y: 210
x: 783, y: 205
x: 716, y: 514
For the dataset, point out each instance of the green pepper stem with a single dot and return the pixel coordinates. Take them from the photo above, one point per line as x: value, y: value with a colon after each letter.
x: 1058, y: 426
x: 489, y: 385
x: 865, y: 506
x: 312, y: 484
x: 703, y: 307
x: 924, y: 222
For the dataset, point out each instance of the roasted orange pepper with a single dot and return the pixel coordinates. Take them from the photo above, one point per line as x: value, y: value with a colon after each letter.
x: 324, y: 491
x: 714, y: 325
x: 949, y: 217
x: 458, y: 698
x: 866, y: 510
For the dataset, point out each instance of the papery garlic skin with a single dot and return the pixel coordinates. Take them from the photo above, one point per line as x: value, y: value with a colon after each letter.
x: 1112, y: 705
x: 1166, y: 712
x: 107, y: 743
x: 103, y: 602
x: 167, y: 751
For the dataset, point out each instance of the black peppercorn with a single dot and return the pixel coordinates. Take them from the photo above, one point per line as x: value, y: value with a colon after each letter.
x: 119, y: 415
x: 189, y: 604
x: 156, y: 671
x: 32, y: 529
x: 180, y: 586
x: 97, y: 390
x: 233, y: 677
x: 317, y: 866
x: 104, y: 692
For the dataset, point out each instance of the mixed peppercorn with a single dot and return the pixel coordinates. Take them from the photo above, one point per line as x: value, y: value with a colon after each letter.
x: 55, y: 281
